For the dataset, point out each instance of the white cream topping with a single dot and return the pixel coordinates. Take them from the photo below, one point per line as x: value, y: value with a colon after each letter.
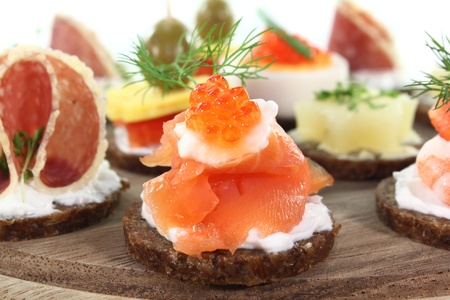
x: 121, y: 140
x: 26, y: 201
x: 315, y: 219
x: 192, y: 146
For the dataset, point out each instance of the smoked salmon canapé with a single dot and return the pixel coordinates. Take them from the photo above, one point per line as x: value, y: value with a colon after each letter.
x: 415, y: 202
x: 296, y: 69
x: 239, y: 204
x: 367, y: 45
x: 54, y: 178
x: 356, y: 132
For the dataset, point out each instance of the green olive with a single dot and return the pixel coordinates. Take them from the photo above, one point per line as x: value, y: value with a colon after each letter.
x: 215, y: 12
x: 164, y: 45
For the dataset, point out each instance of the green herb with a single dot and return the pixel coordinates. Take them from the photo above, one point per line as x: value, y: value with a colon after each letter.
x: 298, y: 46
x: 216, y: 54
x: 4, y: 169
x: 440, y: 84
x: 353, y: 95
x: 26, y: 147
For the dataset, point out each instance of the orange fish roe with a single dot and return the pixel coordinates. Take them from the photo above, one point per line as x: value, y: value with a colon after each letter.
x: 221, y: 114
x: 281, y: 52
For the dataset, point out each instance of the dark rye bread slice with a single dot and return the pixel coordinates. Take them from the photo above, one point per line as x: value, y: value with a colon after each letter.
x: 68, y: 219
x: 422, y: 112
x: 427, y: 229
x: 349, y: 169
x: 244, y: 267
x: 129, y: 162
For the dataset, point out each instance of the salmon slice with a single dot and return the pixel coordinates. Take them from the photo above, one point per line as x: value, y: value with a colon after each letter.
x: 361, y: 39
x: 216, y: 206
x: 49, y: 89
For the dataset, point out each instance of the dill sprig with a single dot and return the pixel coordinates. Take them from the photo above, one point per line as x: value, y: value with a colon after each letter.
x: 298, y: 46
x: 353, y: 95
x: 4, y: 169
x: 209, y: 52
x: 439, y: 84
x: 26, y: 147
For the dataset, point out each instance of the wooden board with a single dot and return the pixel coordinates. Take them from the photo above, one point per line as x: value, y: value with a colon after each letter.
x: 368, y: 259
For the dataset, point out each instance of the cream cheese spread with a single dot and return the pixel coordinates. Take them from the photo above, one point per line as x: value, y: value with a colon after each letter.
x: 27, y: 202
x: 315, y: 219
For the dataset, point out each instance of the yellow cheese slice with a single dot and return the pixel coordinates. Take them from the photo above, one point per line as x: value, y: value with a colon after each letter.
x: 137, y: 102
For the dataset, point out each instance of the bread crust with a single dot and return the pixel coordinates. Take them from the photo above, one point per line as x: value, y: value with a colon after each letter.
x: 358, y: 170
x: 220, y: 267
x: 422, y: 114
x: 427, y: 229
x: 129, y: 162
x: 68, y: 219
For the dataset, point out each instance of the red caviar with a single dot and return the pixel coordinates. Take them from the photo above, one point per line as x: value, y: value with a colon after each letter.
x: 221, y: 114
x: 279, y: 51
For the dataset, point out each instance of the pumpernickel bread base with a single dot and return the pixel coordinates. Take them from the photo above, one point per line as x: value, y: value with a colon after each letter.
x: 422, y: 114
x: 129, y: 162
x: 427, y: 229
x: 358, y: 170
x: 220, y: 267
x: 68, y: 219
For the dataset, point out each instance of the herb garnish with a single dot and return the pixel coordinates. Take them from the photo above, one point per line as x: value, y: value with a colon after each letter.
x: 4, y: 169
x: 26, y: 147
x: 439, y: 84
x: 209, y: 52
x: 353, y: 95
x: 298, y: 46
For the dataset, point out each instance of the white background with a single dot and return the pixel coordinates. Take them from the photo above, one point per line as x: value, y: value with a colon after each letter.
x: 118, y: 23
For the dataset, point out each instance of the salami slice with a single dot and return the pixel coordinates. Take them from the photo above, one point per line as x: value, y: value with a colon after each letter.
x: 361, y: 39
x: 72, y: 37
x: 55, y: 91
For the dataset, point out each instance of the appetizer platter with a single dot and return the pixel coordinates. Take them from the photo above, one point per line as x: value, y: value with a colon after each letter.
x: 235, y: 205
x: 368, y: 259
